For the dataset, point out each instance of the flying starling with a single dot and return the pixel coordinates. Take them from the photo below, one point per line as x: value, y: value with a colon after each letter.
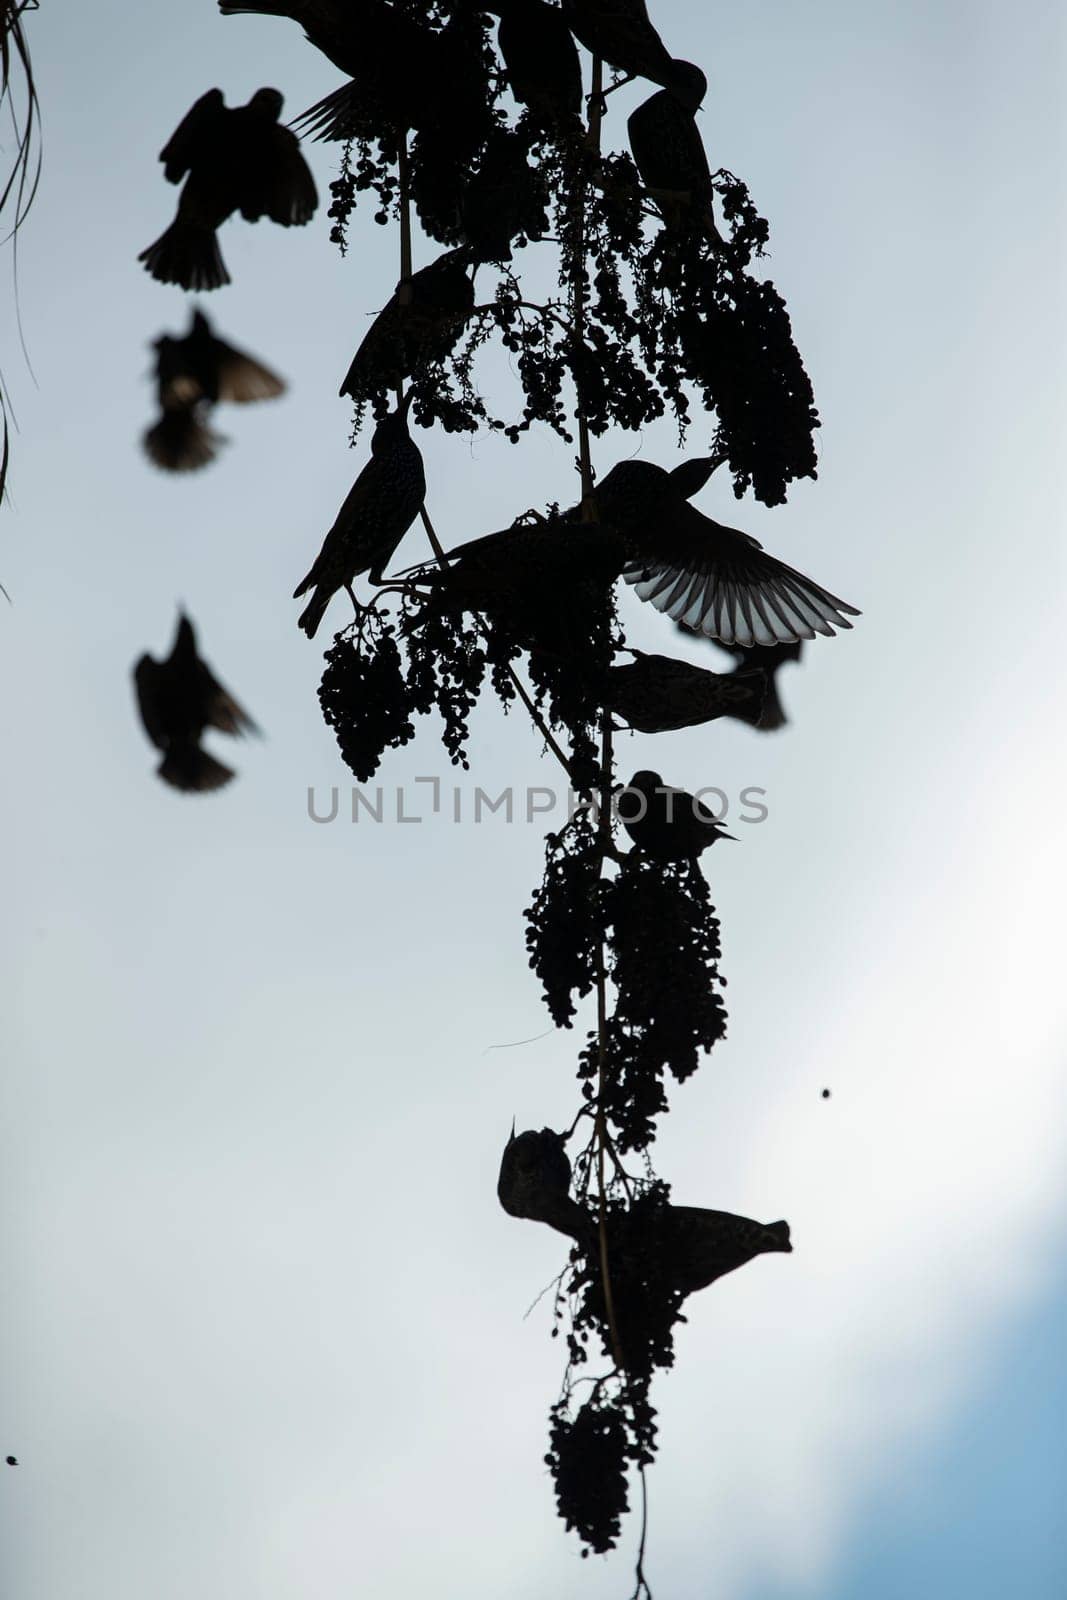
x: 667, y: 824
x: 377, y: 512
x: 179, y: 698
x: 669, y: 152
x: 418, y: 325
x: 543, y: 67
x: 620, y: 32
x: 237, y: 159
x: 202, y: 367
x: 191, y: 375
x: 535, y: 1181
x: 717, y: 580
x: 655, y: 694
x: 701, y: 1245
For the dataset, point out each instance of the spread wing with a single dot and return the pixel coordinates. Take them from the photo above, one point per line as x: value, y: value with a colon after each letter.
x: 719, y: 582
x: 193, y: 136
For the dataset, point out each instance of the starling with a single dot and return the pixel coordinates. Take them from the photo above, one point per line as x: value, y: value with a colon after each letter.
x: 667, y: 824
x: 377, y: 512
x: 701, y: 1245
x: 543, y: 67
x: 417, y: 326
x: 540, y: 581
x: 669, y: 152
x: 717, y: 580
x: 191, y: 374
x: 202, y: 367
x: 655, y: 694
x: 237, y: 159
x: 535, y: 1181
x: 179, y: 698
x: 620, y: 32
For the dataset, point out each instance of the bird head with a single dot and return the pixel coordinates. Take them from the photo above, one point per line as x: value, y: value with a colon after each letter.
x: 688, y: 84
x: 268, y: 102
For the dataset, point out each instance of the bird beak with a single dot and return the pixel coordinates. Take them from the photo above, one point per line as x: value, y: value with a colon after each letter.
x: 732, y: 836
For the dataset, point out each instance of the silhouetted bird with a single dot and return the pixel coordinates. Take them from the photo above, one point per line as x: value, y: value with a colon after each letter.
x: 203, y: 367
x: 717, y: 580
x: 236, y: 159
x: 418, y: 325
x: 620, y: 32
x: 666, y: 823
x: 540, y: 581
x: 535, y: 1181
x: 701, y: 1245
x: 669, y: 152
x: 191, y: 374
x: 543, y: 67
x: 656, y: 693
x: 179, y: 699
x: 377, y: 512
x: 12, y: 1461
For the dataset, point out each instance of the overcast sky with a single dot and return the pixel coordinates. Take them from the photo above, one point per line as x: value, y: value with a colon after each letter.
x: 263, y: 1331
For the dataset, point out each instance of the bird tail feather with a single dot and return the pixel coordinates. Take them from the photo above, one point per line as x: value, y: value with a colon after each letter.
x: 187, y: 254
x: 191, y: 769
x: 179, y: 442
x: 313, y: 614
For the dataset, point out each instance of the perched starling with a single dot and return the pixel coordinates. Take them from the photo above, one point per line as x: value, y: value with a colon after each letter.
x: 179, y: 698
x: 535, y: 1181
x: 543, y: 67
x: 669, y: 152
x: 768, y: 659
x: 377, y: 512
x: 667, y: 824
x: 656, y: 693
x: 237, y: 159
x: 191, y: 375
x: 418, y: 325
x: 704, y: 1245
x: 540, y: 581
x: 202, y: 367
x: 620, y: 32
x: 716, y: 579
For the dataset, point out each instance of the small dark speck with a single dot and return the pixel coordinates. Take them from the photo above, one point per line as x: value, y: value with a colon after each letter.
x: 826, y: 1094
x: 12, y: 1461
